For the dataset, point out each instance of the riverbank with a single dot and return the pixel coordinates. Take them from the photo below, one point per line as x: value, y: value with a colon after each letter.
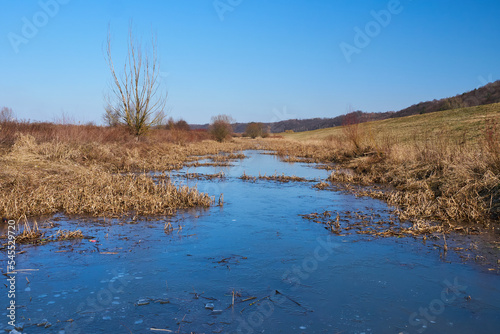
x: 442, y: 166
x: 42, y: 176
x: 449, y: 177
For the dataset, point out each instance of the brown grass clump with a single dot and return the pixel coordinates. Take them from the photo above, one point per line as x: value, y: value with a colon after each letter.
x: 246, y: 177
x: 282, y: 178
x: 321, y: 185
x: 227, y: 157
x: 345, y: 223
x: 94, y: 192
x: 30, y: 233
x: 275, y: 177
x: 62, y: 235
x: 199, y: 176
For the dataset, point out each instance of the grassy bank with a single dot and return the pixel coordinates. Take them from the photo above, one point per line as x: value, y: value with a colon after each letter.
x: 455, y: 125
x: 90, y: 170
x: 442, y: 166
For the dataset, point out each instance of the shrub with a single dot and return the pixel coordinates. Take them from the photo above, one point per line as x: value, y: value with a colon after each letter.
x: 181, y: 125
x: 253, y: 130
x: 352, y: 130
x: 221, y: 128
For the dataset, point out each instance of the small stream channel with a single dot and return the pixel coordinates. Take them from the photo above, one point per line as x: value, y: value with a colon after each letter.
x: 285, y: 273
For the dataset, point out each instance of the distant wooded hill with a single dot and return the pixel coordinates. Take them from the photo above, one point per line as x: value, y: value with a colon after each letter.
x: 487, y: 94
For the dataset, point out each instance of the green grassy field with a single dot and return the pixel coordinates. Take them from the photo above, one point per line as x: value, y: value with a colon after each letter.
x: 457, y: 124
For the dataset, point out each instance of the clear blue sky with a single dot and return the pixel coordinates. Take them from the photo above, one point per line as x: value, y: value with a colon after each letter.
x: 253, y: 59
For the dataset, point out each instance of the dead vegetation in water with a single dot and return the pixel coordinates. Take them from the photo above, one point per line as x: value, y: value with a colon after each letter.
x: 200, y: 176
x: 321, y: 185
x: 32, y: 234
x: 275, y: 177
x: 227, y: 157
x: 62, y: 235
x: 207, y: 164
x: 450, y: 176
x: 372, y: 224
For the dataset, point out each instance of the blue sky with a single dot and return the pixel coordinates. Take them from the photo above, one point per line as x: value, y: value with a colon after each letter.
x: 257, y: 60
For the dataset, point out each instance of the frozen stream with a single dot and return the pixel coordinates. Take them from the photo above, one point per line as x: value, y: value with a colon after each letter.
x: 287, y: 274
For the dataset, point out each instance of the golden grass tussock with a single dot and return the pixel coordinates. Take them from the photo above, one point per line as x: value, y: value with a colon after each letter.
x: 62, y: 235
x: 31, y: 234
x: 198, y: 176
x: 275, y: 177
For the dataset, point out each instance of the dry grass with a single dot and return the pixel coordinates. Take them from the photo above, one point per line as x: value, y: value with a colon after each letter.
x: 439, y: 181
x: 91, y: 191
x: 30, y: 233
x: 62, y: 235
x: 435, y: 171
x: 198, y: 176
x: 438, y: 167
x: 275, y: 177
x: 71, y: 133
x: 98, y: 177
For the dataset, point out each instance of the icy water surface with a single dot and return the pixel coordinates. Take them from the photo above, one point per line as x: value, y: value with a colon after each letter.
x: 286, y: 274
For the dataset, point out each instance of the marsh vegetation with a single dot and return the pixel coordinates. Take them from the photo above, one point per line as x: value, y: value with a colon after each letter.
x: 441, y: 167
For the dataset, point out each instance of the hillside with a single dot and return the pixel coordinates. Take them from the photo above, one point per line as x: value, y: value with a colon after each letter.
x: 487, y: 94
x: 457, y: 124
x: 298, y: 125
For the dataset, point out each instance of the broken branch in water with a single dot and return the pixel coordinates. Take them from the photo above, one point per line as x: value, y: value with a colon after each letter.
x: 290, y: 299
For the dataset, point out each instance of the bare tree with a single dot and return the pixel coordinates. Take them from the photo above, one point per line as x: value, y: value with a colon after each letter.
x: 135, y: 97
x: 110, y: 117
x: 6, y: 115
